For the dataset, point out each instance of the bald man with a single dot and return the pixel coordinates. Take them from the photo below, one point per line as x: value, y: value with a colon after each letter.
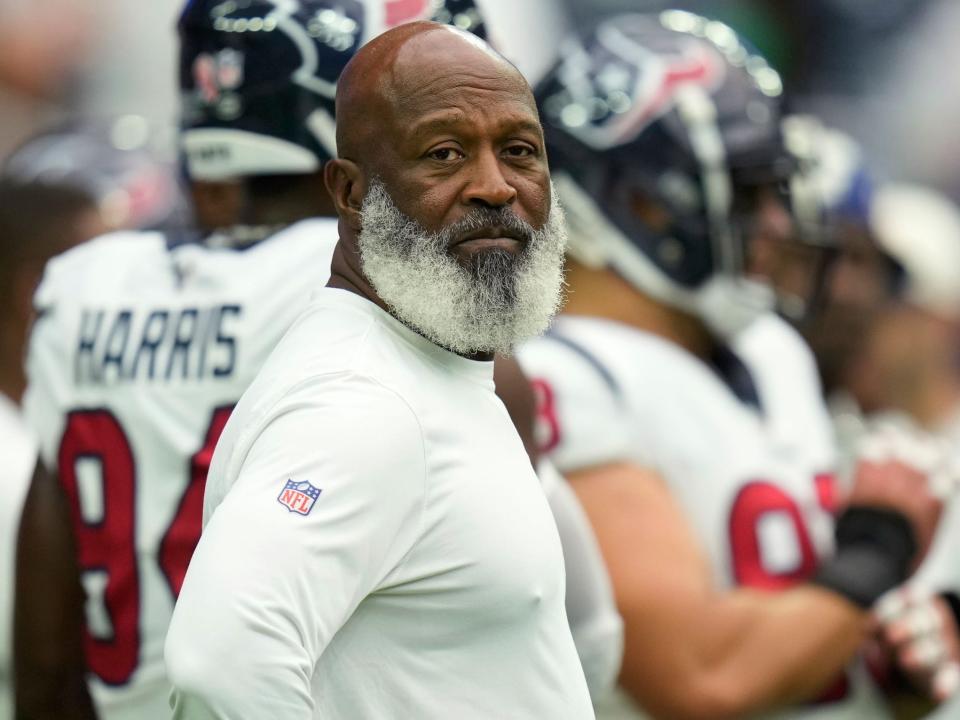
x: 376, y: 543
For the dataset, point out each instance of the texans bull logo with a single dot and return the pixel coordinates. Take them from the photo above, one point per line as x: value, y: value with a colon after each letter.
x: 617, y: 97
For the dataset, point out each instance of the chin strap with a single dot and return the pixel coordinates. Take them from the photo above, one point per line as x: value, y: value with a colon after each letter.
x: 728, y: 305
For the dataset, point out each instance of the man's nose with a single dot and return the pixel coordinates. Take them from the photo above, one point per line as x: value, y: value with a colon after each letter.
x: 488, y: 185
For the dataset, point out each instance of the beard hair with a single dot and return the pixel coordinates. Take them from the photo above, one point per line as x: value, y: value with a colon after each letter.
x: 487, y: 306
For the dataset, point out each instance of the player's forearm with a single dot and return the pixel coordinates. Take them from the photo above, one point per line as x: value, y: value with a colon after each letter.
x: 744, y: 653
x: 49, y: 673
x: 54, y: 697
x: 793, y: 644
x: 786, y: 649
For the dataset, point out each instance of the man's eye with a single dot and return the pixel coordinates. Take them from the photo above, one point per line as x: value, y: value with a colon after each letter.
x: 520, y: 151
x: 445, y: 154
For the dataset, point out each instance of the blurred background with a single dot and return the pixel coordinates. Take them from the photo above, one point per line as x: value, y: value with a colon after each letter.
x: 879, y: 69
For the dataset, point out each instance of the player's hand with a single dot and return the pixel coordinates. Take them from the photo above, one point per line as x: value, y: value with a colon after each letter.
x: 919, y: 633
x: 907, y: 473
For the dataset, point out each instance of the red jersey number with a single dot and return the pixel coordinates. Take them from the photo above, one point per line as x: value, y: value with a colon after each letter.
x: 547, y: 422
x: 106, y: 544
x: 760, y: 501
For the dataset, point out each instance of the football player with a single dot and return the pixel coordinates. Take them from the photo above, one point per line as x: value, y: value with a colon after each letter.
x: 831, y: 191
x: 37, y: 221
x: 686, y: 414
x: 882, y: 325
x: 110, y: 163
x: 148, y: 341
x: 902, y: 382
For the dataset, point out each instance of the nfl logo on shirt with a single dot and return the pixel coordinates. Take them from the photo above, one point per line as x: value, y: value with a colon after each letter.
x: 299, y: 497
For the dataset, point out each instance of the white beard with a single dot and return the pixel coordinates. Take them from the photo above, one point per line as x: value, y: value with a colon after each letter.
x: 499, y: 301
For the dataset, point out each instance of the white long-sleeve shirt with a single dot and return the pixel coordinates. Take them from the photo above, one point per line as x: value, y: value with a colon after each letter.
x: 376, y: 543
x: 595, y: 622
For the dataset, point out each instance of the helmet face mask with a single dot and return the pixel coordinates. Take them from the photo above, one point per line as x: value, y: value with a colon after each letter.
x: 673, y: 110
x: 829, y: 198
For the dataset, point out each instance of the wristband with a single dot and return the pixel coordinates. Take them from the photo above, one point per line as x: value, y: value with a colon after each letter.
x: 875, y: 548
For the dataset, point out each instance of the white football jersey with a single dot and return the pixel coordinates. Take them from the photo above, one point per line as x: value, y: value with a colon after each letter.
x: 140, y: 354
x: 747, y: 450
x: 18, y: 455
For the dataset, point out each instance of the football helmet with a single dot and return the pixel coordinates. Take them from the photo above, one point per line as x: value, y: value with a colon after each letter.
x: 830, y: 191
x: 258, y: 78
x: 919, y: 229
x: 830, y: 183
x: 109, y: 161
x: 659, y: 129
x: 258, y: 81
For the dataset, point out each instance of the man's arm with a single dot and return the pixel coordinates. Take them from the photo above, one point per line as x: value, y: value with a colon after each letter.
x: 591, y: 609
x: 50, y: 679
x: 692, y: 650
x: 591, y: 612
x: 513, y: 389
x: 275, y: 576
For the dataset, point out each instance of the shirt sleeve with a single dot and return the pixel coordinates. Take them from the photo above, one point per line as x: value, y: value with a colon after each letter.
x: 275, y: 576
x: 595, y: 622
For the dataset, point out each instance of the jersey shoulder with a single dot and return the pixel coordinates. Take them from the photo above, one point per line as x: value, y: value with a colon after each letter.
x: 771, y: 342
x: 785, y: 372
x: 276, y: 269
x: 114, y: 268
x: 780, y: 362
x: 612, y: 392
x: 100, y: 266
x: 581, y: 417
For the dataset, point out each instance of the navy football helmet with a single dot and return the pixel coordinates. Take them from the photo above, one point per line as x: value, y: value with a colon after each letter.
x: 830, y: 193
x: 660, y: 128
x: 258, y: 77
x: 830, y: 183
x: 110, y: 162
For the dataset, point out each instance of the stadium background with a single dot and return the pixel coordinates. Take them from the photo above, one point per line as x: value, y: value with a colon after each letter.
x: 876, y: 68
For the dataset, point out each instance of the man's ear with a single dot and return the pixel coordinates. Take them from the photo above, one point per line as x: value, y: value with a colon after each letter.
x: 347, y: 186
